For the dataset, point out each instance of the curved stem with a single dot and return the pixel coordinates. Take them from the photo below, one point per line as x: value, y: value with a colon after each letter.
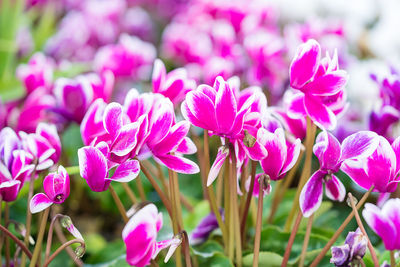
x: 39, y: 239
x: 360, y: 224
x: 50, y: 235
x: 61, y: 248
x: 160, y: 193
x: 291, y: 239
x: 257, y: 238
x: 306, y: 239
x: 340, y: 230
x: 248, y: 199
x: 119, y: 204
x: 17, y: 241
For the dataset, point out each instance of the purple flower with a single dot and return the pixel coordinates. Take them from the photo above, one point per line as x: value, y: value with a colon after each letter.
x: 379, y: 169
x: 205, y: 227
x: 321, y: 85
x: 385, y: 222
x: 174, y: 85
x: 15, y: 164
x: 56, y: 190
x: 331, y: 155
x: 140, y: 237
x: 353, y: 249
x: 38, y: 73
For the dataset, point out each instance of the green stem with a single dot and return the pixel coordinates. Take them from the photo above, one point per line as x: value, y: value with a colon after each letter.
x: 311, y: 128
x: 186, y: 249
x: 306, y: 240
x: 61, y: 248
x: 28, y: 216
x: 392, y: 259
x: 257, y: 237
x: 39, y: 239
x: 248, y: 199
x: 119, y: 204
x: 6, y: 241
x: 291, y: 239
x: 340, y: 230
x: 130, y: 193
x: 174, y: 216
x: 50, y: 235
x: 235, y: 209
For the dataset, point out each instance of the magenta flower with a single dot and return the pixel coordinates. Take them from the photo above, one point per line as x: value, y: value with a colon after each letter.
x: 380, y: 169
x: 385, y: 222
x: 282, y: 155
x: 331, y: 156
x: 56, y: 190
x: 256, y: 190
x: 15, y: 165
x: 38, y: 73
x: 44, y: 145
x: 140, y: 237
x: 131, y: 57
x: 320, y: 83
x: 174, y: 85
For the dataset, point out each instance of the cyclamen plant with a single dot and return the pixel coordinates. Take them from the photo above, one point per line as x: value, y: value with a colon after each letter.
x: 188, y: 115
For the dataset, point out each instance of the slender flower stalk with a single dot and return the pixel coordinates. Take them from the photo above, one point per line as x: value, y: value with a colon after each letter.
x: 291, y: 239
x: 17, y: 241
x: 311, y: 129
x: 119, y: 204
x: 28, y: 216
x: 360, y: 224
x: 130, y: 193
x: 62, y: 247
x: 6, y: 241
x: 235, y: 209
x: 39, y: 239
x: 186, y: 249
x: 142, y: 194
x: 306, y: 240
x: 72, y: 170
x: 257, y: 237
x: 248, y: 199
x: 335, y: 236
x: 50, y: 235
x: 392, y: 259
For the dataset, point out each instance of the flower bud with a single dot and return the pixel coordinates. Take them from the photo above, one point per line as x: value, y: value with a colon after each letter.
x: 340, y: 254
x: 80, y: 251
x: 248, y: 139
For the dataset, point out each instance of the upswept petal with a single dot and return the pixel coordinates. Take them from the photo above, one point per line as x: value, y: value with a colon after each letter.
x: 304, y: 64
x: 158, y: 76
x: 295, y: 109
x: 311, y: 194
x: 39, y: 202
x: 381, y: 225
x: 319, y: 113
x: 112, y: 119
x: 355, y: 170
x: 275, y: 144
x: 92, y: 123
x: 178, y: 164
x: 225, y: 106
x: 186, y: 146
x: 391, y: 211
x: 9, y: 190
x: 361, y: 145
x: 293, y: 152
x: 126, y: 140
x: 222, y: 154
x: 396, y: 149
x: 334, y: 189
x: 93, y: 168
x: 126, y: 172
x: 328, y: 84
x: 328, y: 151
x: 256, y: 152
x: 161, y: 121
x: 175, y: 136
x: 199, y: 106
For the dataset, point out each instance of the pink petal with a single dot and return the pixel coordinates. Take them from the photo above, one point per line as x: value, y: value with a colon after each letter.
x: 9, y: 190
x: 126, y: 172
x: 112, y: 118
x: 355, y: 170
x: 39, y: 202
x: 334, y: 189
x: 391, y: 211
x: 158, y: 77
x: 199, y: 106
x: 327, y: 149
x: 93, y: 168
x: 293, y: 153
x: 126, y: 140
x: 361, y: 144
x: 328, y: 84
x: 178, y: 164
x: 305, y: 63
x: 186, y: 146
x: 381, y: 225
x: 92, y: 123
x: 311, y: 194
x: 161, y: 121
x: 396, y: 149
x: 257, y: 152
x: 217, y: 165
x: 275, y: 144
x: 319, y: 113
x: 296, y: 109
x: 225, y: 106
x: 173, y: 138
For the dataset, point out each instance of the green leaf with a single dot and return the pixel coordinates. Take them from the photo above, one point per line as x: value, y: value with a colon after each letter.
x: 118, y: 262
x: 211, y: 253
x: 265, y: 258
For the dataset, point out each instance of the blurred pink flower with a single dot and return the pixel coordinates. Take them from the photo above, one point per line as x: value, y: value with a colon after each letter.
x: 56, y: 191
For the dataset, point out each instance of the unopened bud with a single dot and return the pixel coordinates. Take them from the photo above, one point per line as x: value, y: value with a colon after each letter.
x: 80, y: 251
x: 248, y: 139
x: 349, y: 199
x: 66, y: 221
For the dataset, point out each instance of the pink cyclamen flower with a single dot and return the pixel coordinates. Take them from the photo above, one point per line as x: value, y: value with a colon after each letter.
x: 174, y: 85
x: 256, y: 190
x: 331, y: 155
x: 56, y: 190
x: 15, y: 164
x: 37, y: 73
x: 44, y: 145
x: 140, y: 237
x: 380, y: 169
x: 320, y: 84
x: 282, y: 155
x: 385, y: 222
